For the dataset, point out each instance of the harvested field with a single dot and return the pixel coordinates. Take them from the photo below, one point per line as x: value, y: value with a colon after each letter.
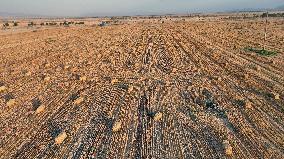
x: 143, y: 90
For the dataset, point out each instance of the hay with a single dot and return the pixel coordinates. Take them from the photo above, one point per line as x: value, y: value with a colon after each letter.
x: 46, y: 79
x: 218, y: 78
x: 130, y: 89
x: 276, y: 96
x: 114, y: 81
x: 174, y: 70
x: 40, y: 109
x: 66, y: 67
x: 79, y: 100
x: 60, y: 138
x: 246, y: 76
x: 158, y: 116
x: 116, y: 126
x: 47, y: 65
x: 248, y: 105
x: 83, y: 78
x: 28, y: 73
x: 228, y: 148
x: 2, y: 88
x: 11, y: 102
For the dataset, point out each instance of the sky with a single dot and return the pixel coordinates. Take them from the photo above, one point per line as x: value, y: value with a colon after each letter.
x: 127, y: 7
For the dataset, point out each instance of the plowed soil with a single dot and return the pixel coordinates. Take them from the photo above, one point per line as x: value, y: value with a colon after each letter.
x: 149, y: 90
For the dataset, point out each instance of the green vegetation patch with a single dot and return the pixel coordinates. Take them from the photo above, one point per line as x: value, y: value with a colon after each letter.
x: 261, y: 52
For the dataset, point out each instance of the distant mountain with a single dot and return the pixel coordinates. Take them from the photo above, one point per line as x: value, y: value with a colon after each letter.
x: 248, y: 10
x: 7, y: 15
x: 279, y: 8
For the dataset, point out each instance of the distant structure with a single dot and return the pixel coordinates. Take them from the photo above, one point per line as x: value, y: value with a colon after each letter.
x: 265, y: 31
x: 105, y: 23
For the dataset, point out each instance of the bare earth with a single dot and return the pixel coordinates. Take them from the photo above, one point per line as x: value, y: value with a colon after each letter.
x: 137, y: 90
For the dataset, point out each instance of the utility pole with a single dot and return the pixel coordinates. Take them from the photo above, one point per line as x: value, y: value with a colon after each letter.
x: 265, y: 30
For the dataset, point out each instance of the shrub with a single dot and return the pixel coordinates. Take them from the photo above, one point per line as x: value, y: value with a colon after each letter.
x: 79, y: 23
x: 53, y: 23
x: 261, y: 52
x: 272, y: 15
x: 65, y: 23
x: 31, y: 24
x: 6, y: 24
x: 16, y: 23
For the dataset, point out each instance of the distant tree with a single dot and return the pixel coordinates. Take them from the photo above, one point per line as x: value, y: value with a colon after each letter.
x: 264, y: 15
x: 52, y: 23
x: 79, y: 23
x: 6, y: 24
x: 16, y: 23
x: 272, y: 15
x: 31, y: 24
x: 65, y: 23
x: 42, y: 24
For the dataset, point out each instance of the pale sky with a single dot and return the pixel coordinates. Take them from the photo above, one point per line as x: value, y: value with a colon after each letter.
x: 127, y: 7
